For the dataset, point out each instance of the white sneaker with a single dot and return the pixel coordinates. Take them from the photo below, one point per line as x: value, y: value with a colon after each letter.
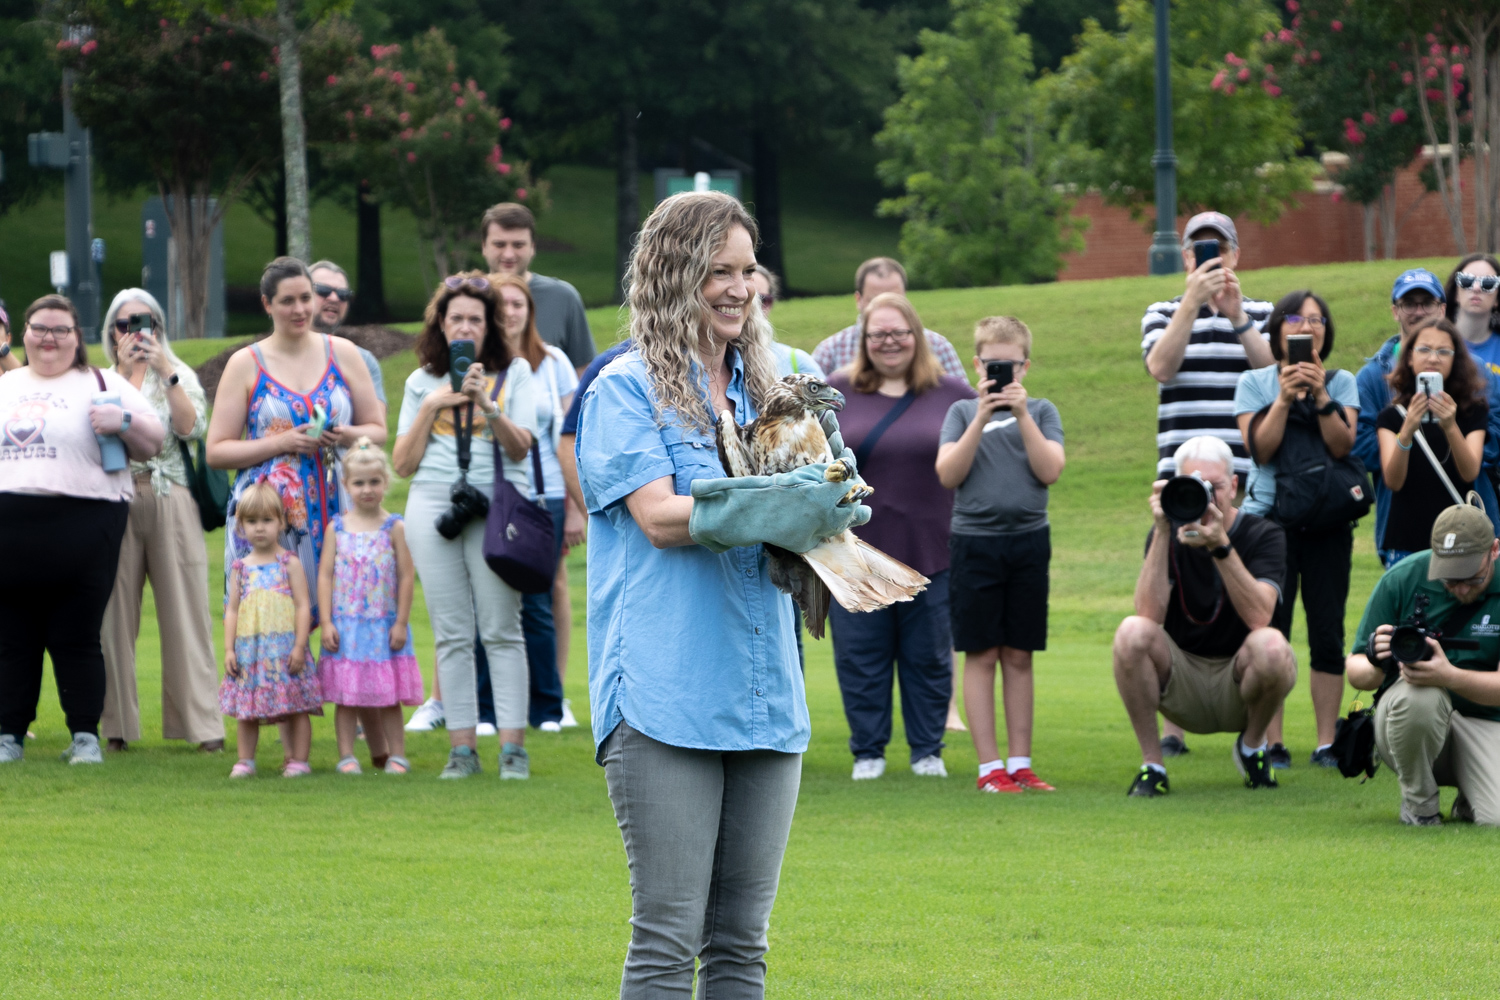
x: 11, y: 749
x: 568, y: 722
x: 550, y: 727
x: 485, y: 729
x: 84, y: 750
x: 930, y: 766
x: 426, y: 718
x: 866, y: 768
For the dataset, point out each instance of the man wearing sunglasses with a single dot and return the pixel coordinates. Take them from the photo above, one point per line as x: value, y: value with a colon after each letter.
x: 333, y: 294
x: 1437, y: 720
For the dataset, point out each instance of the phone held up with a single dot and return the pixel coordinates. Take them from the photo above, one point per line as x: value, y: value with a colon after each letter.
x: 1205, y: 251
x: 1430, y: 384
x: 141, y: 326
x: 460, y: 357
x: 1002, y: 373
x: 1299, y: 348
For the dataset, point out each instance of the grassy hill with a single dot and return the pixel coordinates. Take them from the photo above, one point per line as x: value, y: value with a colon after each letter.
x: 153, y: 876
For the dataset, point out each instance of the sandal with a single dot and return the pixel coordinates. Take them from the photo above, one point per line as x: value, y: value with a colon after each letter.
x: 243, y: 769
x: 296, y: 769
x: 397, y: 765
x: 349, y: 766
x: 116, y: 745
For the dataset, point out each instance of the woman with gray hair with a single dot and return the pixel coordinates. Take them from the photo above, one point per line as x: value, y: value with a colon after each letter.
x: 163, y: 543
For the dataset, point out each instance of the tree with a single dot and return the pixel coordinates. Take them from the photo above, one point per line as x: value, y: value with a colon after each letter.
x: 1053, y: 25
x: 960, y: 141
x: 30, y: 100
x: 1236, y: 138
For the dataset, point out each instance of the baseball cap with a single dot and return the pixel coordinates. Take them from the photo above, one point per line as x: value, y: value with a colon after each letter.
x: 1461, y: 537
x: 1417, y: 277
x: 1217, y: 221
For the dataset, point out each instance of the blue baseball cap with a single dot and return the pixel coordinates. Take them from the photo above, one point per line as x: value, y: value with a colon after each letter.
x: 1417, y: 278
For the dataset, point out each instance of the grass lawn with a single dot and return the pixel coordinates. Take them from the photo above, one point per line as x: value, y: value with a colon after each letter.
x: 153, y: 876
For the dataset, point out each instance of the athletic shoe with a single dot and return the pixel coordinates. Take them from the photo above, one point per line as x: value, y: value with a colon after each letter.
x: 867, y: 768
x: 486, y: 729
x: 1149, y: 783
x: 1172, y: 746
x: 551, y: 726
x: 1412, y: 819
x: 397, y: 765
x: 999, y: 782
x: 11, y: 749
x: 427, y: 718
x: 462, y: 762
x: 1280, y: 756
x: 568, y: 722
x: 84, y: 750
x: 1255, y: 767
x: 116, y: 745
x: 296, y: 769
x: 515, y: 762
x: 1462, y: 811
x: 930, y: 766
x: 1026, y: 778
x: 1323, y: 758
x: 243, y: 769
x: 349, y: 765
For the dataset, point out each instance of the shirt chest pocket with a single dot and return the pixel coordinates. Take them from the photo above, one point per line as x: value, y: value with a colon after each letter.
x: 694, y: 455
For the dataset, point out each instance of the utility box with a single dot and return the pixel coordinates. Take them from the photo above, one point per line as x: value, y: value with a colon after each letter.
x: 672, y: 180
x: 156, y: 256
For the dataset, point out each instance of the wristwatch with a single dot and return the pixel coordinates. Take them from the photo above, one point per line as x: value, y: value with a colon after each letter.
x: 1332, y: 406
x: 1241, y: 329
x: 5, y: 348
x: 124, y: 421
x: 173, y: 380
x: 1222, y: 552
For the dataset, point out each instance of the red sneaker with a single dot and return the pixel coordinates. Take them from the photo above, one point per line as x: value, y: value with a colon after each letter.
x: 998, y: 781
x: 1026, y: 778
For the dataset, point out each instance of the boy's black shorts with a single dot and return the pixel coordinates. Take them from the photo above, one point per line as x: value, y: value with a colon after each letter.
x: 997, y: 590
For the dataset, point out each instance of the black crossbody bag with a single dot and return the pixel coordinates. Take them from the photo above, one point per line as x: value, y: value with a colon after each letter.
x: 1314, y: 490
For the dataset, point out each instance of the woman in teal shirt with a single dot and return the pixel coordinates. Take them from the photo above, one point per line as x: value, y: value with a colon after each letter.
x: 698, y: 708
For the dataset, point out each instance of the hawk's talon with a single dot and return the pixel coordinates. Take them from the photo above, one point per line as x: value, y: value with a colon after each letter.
x: 856, y: 494
x: 839, y: 472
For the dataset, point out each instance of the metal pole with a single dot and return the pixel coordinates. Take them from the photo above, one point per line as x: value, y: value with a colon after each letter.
x: 83, y: 271
x: 1166, y: 255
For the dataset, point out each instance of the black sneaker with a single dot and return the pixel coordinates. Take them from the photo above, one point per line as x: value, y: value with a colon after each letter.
x: 1323, y: 757
x: 1149, y: 783
x: 1172, y: 746
x: 1281, y: 757
x: 1255, y: 767
x: 1462, y: 811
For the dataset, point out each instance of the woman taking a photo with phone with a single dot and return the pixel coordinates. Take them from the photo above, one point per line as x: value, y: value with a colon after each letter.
x: 1439, y: 394
x: 163, y: 542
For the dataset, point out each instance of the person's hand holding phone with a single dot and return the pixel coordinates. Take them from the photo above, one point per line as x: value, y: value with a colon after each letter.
x: 1204, y: 284
x: 296, y: 442
x: 1444, y: 408
x: 475, y: 390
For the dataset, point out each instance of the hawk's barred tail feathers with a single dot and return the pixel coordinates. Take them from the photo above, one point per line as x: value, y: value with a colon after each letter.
x: 860, y: 576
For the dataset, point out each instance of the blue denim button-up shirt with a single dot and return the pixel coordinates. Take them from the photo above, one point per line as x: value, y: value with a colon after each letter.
x: 691, y: 648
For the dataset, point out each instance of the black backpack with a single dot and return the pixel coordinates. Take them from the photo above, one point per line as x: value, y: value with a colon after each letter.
x: 1314, y: 490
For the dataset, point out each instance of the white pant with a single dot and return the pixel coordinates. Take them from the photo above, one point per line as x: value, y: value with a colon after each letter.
x: 459, y: 586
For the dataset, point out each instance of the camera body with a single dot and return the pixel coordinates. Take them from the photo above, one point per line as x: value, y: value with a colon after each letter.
x: 1409, y: 639
x: 465, y: 504
x: 1185, y: 499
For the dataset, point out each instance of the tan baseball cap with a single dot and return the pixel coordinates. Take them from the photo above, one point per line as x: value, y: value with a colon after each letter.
x: 1461, y: 537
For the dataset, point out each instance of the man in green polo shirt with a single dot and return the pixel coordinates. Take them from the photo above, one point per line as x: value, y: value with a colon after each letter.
x: 1437, y: 721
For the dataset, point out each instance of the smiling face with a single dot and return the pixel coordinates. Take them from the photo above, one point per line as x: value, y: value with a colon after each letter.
x: 292, y: 307
x: 1307, y: 321
x: 1472, y: 299
x: 464, y: 320
x: 890, y: 342
x: 51, y: 353
x: 517, y: 311
x: 730, y: 284
x: 1414, y: 309
x: 508, y: 251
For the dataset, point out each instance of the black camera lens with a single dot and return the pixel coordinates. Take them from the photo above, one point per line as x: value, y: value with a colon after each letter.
x: 1409, y: 644
x: 467, y: 503
x: 1185, y: 498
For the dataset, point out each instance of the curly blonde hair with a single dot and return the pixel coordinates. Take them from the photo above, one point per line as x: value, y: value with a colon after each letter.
x: 669, y: 266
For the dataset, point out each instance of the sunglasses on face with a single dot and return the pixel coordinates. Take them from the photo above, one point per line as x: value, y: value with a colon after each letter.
x: 325, y: 291
x: 1485, y: 283
x: 123, y: 325
x: 477, y: 284
x: 767, y: 301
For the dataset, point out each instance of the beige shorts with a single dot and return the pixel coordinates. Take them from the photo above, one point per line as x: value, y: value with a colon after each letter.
x: 1202, y: 695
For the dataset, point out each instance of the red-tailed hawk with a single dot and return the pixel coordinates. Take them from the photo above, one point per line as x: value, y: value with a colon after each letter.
x: 785, y: 437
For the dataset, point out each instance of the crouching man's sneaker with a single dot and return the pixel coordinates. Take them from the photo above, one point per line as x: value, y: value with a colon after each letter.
x: 11, y: 749
x: 1149, y: 783
x: 1412, y: 819
x: 1256, y: 768
x: 84, y: 750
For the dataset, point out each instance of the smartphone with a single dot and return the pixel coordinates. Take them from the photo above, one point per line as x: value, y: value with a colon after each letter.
x: 1431, y: 384
x: 1299, y: 348
x: 1205, y: 251
x: 139, y: 323
x: 460, y: 357
x: 1002, y: 373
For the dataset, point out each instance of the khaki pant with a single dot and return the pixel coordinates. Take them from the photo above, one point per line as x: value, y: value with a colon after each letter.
x: 1428, y: 744
x: 1202, y: 695
x: 163, y: 541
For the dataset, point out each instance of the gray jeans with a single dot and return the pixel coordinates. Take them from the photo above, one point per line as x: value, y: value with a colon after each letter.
x: 704, y: 834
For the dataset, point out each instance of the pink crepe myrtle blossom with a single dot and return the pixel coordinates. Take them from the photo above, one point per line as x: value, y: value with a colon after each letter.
x: 1398, y: 116
x: 1243, y: 75
x: 1336, y: 25
x: 411, y: 157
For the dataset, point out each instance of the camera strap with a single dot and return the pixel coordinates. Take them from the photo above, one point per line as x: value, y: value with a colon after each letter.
x: 1421, y: 438
x: 463, y: 432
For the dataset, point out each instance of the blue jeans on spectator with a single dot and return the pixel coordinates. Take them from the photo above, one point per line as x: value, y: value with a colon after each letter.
x: 541, y: 649
x: 870, y: 649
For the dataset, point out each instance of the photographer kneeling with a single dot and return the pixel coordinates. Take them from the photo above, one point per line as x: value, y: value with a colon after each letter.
x: 1200, y: 648
x: 1437, y: 719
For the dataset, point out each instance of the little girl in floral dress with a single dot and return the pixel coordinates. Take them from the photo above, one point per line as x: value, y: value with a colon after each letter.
x: 269, y: 674
x: 365, y: 581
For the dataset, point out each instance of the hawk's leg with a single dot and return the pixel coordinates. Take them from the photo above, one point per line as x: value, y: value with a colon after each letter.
x: 841, y: 471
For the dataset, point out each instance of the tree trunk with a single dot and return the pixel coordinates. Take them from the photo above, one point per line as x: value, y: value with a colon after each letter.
x: 627, y: 194
x: 1388, y: 226
x: 293, y: 133
x: 369, y: 299
x: 768, y: 205
x: 1447, y: 173
x: 1371, y: 211
x: 192, y: 219
x: 278, y: 209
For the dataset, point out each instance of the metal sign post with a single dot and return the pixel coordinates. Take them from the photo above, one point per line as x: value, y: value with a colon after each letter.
x: 70, y: 151
x: 1166, y: 255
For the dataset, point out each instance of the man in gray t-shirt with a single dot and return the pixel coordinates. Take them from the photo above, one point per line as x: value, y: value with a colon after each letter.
x: 508, y: 234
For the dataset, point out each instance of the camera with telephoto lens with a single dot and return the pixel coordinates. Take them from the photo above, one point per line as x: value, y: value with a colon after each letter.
x: 467, y: 503
x: 1409, y: 639
x: 1184, y: 499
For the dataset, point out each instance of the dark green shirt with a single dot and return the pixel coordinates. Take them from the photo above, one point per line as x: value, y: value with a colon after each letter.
x: 1394, y: 599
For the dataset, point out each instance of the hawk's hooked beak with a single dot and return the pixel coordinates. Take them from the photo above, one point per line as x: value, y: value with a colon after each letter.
x: 831, y: 398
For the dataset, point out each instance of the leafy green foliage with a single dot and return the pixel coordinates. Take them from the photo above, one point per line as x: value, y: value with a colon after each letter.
x: 960, y: 141
x: 1236, y: 136
x: 30, y: 101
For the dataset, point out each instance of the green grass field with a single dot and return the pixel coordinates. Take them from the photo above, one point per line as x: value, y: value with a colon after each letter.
x: 153, y: 876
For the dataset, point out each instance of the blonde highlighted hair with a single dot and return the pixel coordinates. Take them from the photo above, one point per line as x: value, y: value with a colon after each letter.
x: 669, y: 266
x: 924, y: 372
x: 365, y: 453
x: 1002, y: 330
x: 259, y: 500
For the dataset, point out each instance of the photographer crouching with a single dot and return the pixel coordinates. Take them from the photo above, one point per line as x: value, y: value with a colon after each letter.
x: 1200, y: 648
x: 1437, y: 702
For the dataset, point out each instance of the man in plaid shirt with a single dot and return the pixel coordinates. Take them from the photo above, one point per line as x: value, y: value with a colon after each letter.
x: 874, y: 277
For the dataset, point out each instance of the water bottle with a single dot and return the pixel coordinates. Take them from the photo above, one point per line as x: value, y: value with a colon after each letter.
x: 111, y: 448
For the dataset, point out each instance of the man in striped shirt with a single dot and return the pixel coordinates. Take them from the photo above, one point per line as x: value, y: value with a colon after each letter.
x: 874, y: 277
x: 1197, y: 345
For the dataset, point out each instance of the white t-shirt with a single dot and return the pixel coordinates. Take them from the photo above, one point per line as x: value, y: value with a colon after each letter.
x: 556, y: 380
x: 47, y: 444
x: 440, y: 460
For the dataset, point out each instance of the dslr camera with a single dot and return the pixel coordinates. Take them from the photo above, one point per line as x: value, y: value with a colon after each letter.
x: 1409, y: 639
x: 465, y: 504
x: 1184, y: 499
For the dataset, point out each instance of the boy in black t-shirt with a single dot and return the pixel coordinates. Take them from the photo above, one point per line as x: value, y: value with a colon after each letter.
x: 1200, y: 648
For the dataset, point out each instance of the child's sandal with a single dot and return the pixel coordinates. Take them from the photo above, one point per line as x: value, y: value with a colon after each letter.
x: 397, y: 765
x: 243, y: 769
x: 349, y: 766
x: 296, y: 769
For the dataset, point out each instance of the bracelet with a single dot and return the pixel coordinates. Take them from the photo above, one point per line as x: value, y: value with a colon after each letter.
x: 1404, y: 447
x: 1241, y: 329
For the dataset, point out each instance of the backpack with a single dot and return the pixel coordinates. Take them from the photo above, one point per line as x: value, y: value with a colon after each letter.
x: 1315, y: 491
x: 209, y: 487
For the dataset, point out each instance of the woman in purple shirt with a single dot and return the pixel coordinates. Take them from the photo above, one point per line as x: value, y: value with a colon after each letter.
x: 895, y: 400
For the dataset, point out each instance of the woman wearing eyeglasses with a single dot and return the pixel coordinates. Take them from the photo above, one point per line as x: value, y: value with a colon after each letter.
x: 1298, y: 390
x: 1451, y: 421
x: 1473, y: 293
x: 67, y: 513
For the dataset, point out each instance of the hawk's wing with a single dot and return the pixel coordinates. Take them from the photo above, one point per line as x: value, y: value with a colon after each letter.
x: 733, y: 454
x: 785, y: 444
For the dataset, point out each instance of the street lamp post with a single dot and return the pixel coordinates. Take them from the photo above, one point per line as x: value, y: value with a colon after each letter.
x: 1166, y: 256
x: 70, y: 151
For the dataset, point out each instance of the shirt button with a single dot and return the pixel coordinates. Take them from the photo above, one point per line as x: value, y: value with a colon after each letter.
x: 750, y: 572
x: 757, y: 630
x: 757, y: 692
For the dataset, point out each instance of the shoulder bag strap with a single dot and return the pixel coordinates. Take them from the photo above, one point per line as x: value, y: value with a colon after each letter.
x: 1437, y: 466
x: 494, y: 441
x: 873, y: 438
x: 99, y: 376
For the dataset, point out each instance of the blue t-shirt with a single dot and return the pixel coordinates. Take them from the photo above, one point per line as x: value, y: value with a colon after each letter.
x: 570, y: 422
x: 1258, y: 389
x: 1487, y: 355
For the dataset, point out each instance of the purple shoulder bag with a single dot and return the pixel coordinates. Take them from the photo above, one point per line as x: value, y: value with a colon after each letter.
x: 518, y: 533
